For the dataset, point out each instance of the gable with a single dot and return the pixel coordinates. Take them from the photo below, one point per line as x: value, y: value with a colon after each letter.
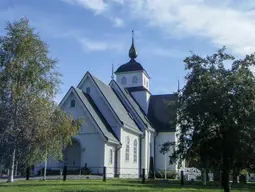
x: 108, y: 103
x: 84, y: 106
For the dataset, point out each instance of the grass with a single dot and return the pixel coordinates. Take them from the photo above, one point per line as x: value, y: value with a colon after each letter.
x: 112, y: 186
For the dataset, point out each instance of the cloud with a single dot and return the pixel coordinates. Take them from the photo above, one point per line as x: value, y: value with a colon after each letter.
x: 92, y: 45
x: 98, y: 6
x: 101, y: 7
x: 221, y: 24
x: 118, y: 22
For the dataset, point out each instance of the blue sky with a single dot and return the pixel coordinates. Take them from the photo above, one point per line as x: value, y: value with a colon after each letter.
x: 90, y: 35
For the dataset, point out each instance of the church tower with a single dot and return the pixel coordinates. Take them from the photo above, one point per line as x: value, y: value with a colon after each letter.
x: 134, y: 78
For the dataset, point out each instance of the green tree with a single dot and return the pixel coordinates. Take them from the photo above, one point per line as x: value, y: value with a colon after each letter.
x: 32, y: 126
x: 216, y: 114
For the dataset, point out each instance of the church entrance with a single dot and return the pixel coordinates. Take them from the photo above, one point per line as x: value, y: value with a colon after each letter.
x: 72, y: 155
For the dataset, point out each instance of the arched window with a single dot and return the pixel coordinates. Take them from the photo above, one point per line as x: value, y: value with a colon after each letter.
x: 123, y: 80
x: 127, y: 148
x: 110, y: 156
x: 135, y: 150
x: 134, y: 80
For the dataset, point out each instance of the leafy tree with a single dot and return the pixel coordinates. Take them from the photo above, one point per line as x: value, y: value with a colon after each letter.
x: 32, y: 126
x: 216, y: 113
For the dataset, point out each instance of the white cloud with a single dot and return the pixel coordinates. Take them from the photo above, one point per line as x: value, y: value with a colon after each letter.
x: 98, y: 6
x: 92, y: 45
x: 221, y: 24
x: 118, y: 22
x: 101, y: 7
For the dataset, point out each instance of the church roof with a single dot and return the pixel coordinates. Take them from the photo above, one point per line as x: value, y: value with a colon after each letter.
x: 132, y: 65
x: 114, y: 102
x: 135, y: 105
x: 135, y: 89
x: 96, y: 115
x: 161, y: 115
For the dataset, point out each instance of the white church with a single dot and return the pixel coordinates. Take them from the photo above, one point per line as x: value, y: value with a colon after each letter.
x: 124, y: 124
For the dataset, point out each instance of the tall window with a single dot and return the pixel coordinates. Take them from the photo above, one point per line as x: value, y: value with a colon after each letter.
x: 134, y: 80
x: 127, y: 148
x: 72, y: 104
x: 110, y: 156
x: 123, y: 80
x: 135, y: 150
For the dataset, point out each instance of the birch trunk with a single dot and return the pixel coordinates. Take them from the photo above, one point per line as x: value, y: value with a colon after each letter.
x: 45, y: 170
x: 11, y: 168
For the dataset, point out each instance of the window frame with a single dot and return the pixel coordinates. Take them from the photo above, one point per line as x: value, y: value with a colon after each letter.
x: 110, y: 156
x: 123, y: 80
x: 134, y: 80
x: 127, y: 149
x: 88, y: 90
x: 135, y: 151
x: 72, y: 103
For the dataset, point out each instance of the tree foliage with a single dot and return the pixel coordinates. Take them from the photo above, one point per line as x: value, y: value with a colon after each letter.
x: 216, y: 114
x: 32, y: 126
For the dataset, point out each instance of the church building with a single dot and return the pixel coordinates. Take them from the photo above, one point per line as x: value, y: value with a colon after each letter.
x: 124, y: 124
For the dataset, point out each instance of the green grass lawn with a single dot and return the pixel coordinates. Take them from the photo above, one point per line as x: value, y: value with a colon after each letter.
x: 111, y: 186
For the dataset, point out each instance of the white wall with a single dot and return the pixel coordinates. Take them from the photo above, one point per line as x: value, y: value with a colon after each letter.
x: 142, y: 98
x: 161, y: 138
x: 110, y: 167
x: 89, y: 137
x: 129, y: 169
x: 101, y: 103
x: 147, y: 150
x: 142, y: 79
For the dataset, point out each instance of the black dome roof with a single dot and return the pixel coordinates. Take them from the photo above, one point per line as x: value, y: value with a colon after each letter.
x: 132, y: 65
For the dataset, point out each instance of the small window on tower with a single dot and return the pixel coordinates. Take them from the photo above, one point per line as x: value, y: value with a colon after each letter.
x: 147, y: 84
x: 123, y: 80
x: 72, y: 104
x: 88, y: 90
x: 134, y: 80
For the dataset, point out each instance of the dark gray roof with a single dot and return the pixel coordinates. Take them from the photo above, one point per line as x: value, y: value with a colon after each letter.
x: 135, y: 105
x: 139, y: 88
x: 115, y: 103
x: 96, y: 115
x: 162, y: 115
x: 132, y: 65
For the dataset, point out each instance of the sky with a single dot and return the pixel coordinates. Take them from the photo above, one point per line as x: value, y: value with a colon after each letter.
x: 91, y: 35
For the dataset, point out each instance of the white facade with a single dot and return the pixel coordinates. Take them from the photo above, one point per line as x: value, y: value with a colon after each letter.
x: 160, y: 160
x: 133, y: 79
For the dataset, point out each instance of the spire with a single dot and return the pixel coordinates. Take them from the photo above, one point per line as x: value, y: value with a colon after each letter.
x: 132, y: 50
x: 112, y: 77
x: 178, y: 89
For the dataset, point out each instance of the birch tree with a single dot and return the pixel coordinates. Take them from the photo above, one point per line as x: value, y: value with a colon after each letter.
x: 32, y: 126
